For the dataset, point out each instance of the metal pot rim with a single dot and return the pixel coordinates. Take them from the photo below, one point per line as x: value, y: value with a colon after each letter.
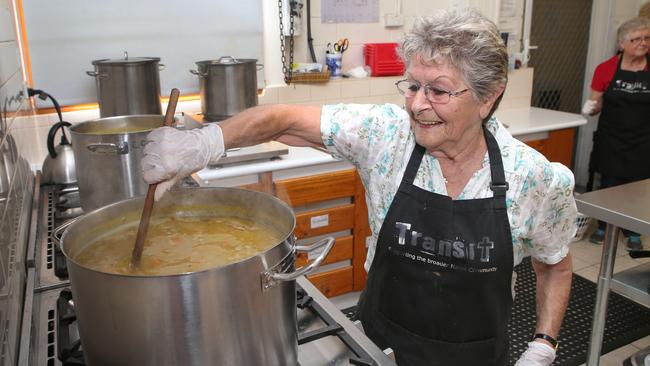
x: 80, y: 221
x: 217, y: 62
x: 126, y: 62
x: 144, y: 119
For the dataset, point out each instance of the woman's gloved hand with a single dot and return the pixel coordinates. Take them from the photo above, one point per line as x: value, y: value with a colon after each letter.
x: 589, y: 107
x: 172, y: 154
x: 537, y: 354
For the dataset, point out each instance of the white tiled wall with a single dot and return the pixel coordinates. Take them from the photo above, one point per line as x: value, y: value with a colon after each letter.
x: 360, y: 33
x: 13, y: 100
x: 382, y: 90
x: 519, y: 90
x: 9, y: 66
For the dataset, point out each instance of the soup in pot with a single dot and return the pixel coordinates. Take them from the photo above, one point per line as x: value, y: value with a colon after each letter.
x: 176, y: 245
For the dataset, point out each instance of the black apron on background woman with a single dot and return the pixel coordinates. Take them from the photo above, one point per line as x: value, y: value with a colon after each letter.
x: 622, y: 140
x: 439, y: 287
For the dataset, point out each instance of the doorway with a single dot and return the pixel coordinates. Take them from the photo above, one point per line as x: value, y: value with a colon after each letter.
x: 560, y: 30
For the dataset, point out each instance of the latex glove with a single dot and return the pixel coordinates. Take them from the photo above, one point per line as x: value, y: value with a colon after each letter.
x: 537, y: 354
x: 172, y: 154
x: 589, y: 107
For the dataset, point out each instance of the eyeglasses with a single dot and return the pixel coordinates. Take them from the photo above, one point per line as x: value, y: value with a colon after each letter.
x: 434, y: 95
x: 637, y: 40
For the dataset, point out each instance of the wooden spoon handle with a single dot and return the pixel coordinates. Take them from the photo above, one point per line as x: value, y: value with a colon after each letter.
x: 144, y: 226
x: 149, y: 199
x: 171, y: 107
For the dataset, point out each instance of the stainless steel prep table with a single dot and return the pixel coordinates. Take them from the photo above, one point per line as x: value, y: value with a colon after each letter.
x: 625, y: 206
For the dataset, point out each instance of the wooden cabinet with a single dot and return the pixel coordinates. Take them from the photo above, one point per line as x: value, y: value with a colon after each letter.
x: 558, y: 147
x: 328, y: 204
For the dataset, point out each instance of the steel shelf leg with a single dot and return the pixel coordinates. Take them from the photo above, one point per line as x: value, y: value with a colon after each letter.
x: 602, y: 295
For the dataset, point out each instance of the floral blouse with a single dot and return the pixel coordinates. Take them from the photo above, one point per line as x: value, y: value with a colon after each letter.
x: 378, y: 140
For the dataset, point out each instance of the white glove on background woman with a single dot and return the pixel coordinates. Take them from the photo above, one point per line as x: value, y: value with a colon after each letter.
x: 589, y: 107
x: 172, y: 154
x: 537, y: 354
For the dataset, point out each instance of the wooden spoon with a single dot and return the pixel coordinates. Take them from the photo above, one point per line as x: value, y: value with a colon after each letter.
x: 148, y: 201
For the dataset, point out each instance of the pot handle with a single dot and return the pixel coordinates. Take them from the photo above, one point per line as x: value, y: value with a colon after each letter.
x: 161, y: 67
x: 109, y: 148
x: 58, y: 232
x: 270, y: 278
x: 198, y: 73
x: 96, y: 74
x: 259, y: 66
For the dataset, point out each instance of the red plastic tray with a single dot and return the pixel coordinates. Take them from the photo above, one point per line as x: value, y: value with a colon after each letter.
x: 382, y: 59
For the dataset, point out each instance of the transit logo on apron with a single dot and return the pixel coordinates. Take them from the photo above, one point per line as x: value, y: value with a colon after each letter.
x: 635, y: 87
x: 443, y: 252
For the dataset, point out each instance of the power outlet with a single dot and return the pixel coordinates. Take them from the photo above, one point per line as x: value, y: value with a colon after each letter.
x: 393, y: 20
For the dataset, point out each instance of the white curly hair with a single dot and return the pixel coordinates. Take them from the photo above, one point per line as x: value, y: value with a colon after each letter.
x: 466, y: 40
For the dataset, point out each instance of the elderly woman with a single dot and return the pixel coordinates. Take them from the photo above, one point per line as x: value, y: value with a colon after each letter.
x: 454, y: 201
x: 620, y: 92
x: 644, y: 10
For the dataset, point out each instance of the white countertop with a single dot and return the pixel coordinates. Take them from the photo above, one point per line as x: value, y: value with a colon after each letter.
x: 520, y: 121
x: 523, y: 121
x: 297, y: 157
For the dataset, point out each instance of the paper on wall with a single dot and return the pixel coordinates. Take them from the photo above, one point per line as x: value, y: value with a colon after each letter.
x: 350, y: 11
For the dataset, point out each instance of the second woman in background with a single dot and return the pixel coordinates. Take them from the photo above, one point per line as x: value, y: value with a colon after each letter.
x: 620, y: 91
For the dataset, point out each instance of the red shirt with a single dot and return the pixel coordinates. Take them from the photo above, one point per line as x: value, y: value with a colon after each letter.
x: 604, y: 74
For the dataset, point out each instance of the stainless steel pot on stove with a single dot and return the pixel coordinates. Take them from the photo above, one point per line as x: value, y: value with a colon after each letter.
x: 127, y: 86
x: 107, y: 154
x: 227, y: 86
x: 243, y: 313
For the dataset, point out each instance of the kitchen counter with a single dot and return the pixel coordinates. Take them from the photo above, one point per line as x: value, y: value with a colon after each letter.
x: 523, y: 123
x: 526, y: 121
x: 298, y: 161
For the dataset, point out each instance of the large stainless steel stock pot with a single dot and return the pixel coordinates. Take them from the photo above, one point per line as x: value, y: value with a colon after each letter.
x: 107, y: 154
x: 127, y: 86
x: 242, y: 313
x: 227, y: 86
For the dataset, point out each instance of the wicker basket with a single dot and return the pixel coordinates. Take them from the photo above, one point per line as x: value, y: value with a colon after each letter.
x: 583, y: 222
x: 311, y: 77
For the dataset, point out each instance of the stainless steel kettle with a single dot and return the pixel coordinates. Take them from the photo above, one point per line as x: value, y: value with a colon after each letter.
x: 59, y: 166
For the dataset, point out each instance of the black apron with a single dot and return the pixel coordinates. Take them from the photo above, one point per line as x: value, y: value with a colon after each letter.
x: 439, y: 287
x: 622, y: 141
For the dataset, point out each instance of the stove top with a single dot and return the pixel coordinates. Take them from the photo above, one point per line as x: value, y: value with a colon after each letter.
x: 58, y: 206
x: 325, y: 335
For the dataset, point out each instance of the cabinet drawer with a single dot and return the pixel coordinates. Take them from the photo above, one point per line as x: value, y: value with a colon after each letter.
x: 335, y: 282
x: 342, y: 250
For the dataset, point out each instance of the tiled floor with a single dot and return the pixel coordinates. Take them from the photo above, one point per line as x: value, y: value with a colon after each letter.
x: 586, y: 263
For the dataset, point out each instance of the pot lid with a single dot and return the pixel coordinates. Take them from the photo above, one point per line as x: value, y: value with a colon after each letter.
x: 227, y: 60
x: 126, y: 60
